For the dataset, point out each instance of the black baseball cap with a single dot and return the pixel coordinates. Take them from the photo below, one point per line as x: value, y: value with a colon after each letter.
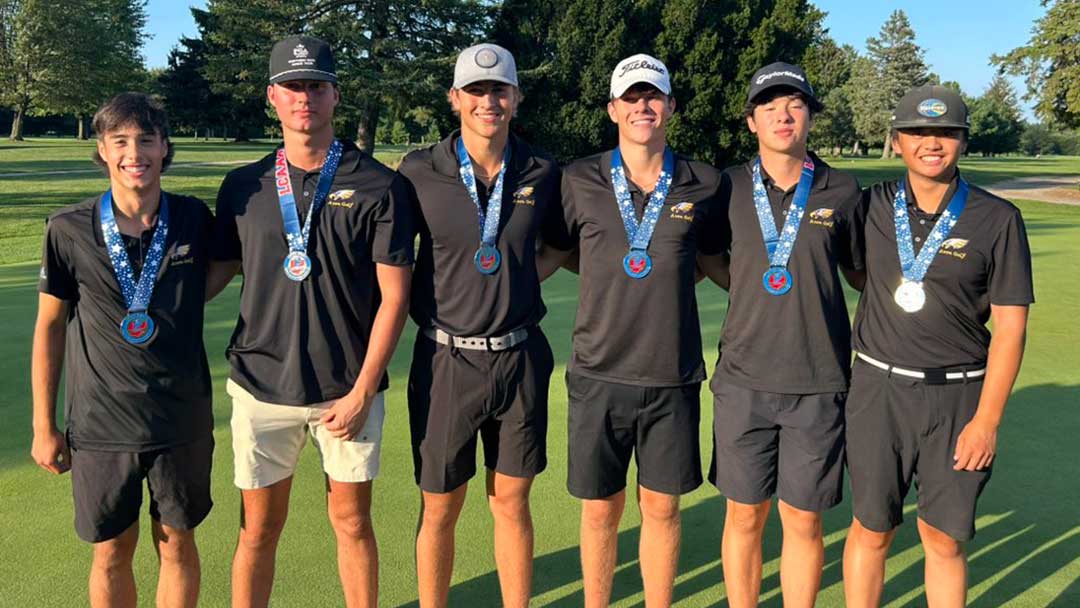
x: 931, y: 106
x: 302, y: 58
x: 781, y: 74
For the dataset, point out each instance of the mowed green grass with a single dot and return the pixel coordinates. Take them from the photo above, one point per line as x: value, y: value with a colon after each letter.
x: 1027, y: 552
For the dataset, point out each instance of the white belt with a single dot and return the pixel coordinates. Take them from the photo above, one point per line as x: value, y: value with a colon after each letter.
x: 495, y: 343
x: 928, y: 375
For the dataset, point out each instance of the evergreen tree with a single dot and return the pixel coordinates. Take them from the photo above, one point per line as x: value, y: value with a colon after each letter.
x: 897, y: 66
x: 388, y: 53
x: 1051, y: 63
x: 829, y: 68
x: 996, y: 126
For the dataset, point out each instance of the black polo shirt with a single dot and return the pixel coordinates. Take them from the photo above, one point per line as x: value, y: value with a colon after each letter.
x: 298, y: 343
x: 120, y: 396
x: 985, y: 260
x: 645, y: 331
x: 799, y: 342
x: 448, y: 291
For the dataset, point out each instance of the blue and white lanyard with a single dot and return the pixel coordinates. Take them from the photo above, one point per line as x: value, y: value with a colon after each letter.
x: 489, y: 224
x: 297, y: 237
x: 914, y: 267
x: 778, y: 246
x: 136, y: 295
x: 639, y: 235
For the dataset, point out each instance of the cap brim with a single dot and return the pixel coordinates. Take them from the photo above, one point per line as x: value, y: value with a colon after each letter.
x: 616, y: 93
x: 289, y: 75
x: 929, y: 124
x: 815, y: 103
x: 464, y: 82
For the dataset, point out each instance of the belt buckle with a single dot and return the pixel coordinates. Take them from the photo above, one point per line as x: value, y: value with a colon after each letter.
x: 934, y: 376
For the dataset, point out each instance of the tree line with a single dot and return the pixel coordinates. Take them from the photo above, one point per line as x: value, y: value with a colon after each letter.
x: 395, y: 63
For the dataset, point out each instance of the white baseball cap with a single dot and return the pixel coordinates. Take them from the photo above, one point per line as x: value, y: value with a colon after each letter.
x: 639, y: 68
x: 484, y: 62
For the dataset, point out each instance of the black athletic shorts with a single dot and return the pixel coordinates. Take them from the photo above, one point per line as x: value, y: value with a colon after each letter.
x: 456, y: 393
x: 903, y: 430
x: 775, y: 443
x: 108, y: 488
x: 609, y: 422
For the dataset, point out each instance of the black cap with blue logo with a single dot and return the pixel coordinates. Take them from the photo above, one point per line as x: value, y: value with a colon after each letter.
x: 931, y: 105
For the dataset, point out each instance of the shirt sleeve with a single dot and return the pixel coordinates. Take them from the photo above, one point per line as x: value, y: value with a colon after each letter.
x: 556, y: 230
x: 715, y: 236
x: 851, y: 254
x: 394, y: 236
x: 57, y: 276
x: 1010, y: 281
x: 225, y: 241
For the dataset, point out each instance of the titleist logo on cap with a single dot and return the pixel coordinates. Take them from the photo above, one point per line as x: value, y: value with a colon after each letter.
x: 771, y: 75
x: 641, y: 64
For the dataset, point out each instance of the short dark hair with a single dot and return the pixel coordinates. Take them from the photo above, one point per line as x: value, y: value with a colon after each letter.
x: 782, y: 91
x: 137, y: 109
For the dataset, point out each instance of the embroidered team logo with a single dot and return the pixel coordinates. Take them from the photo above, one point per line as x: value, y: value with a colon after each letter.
x: 823, y: 217
x: 44, y: 275
x: 341, y: 198
x: 181, y: 255
x: 300, y: 52
x: 954, y: 248
x: 525, y: 196
x: 683, y: 211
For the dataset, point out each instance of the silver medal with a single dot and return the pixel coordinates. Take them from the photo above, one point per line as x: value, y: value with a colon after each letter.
x: 910, y: 296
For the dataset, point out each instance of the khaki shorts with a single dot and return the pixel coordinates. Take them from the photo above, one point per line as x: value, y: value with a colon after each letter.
x: 268, y: 437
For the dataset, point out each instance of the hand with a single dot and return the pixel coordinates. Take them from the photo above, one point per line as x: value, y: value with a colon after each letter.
x: 346, y: 417
x: 975, y: 447
x: 50, y: 451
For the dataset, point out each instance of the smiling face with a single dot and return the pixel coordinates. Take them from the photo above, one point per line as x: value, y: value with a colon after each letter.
x: 304, y: 106
x: 133, y: 156
x: 930, y: 152
x: 485, y: 107
x: 781, y: 123
x: 642, y: 114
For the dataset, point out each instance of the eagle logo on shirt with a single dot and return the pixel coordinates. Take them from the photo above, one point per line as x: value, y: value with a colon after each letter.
x: 524, y: 196
x: 683, y: 211
x: 823, y: 217
x: 341, y: 198
x: 181, y: 255
x: 954, y: 248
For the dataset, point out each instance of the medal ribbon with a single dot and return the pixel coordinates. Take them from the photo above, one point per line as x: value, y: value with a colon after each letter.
x: 778, y: 246
x: 914, y: 267
x: 297, y: 237
x: 136, y: 295
x: 489, y: 224
x: 639, y: 235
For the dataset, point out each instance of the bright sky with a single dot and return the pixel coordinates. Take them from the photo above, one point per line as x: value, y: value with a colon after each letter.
x: 959, y: 36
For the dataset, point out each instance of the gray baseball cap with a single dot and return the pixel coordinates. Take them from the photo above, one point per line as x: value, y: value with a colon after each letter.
x: 484, y: 62
x: 931, y: 106
x: 301, y: 58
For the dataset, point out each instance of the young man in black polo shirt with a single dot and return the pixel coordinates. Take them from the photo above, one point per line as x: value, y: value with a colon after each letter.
x: 123, y: 281
x: 929, y: 383
x: 638, y: 215
x: 782, y: 377
x: 322, y: 306
x: 481, y: 364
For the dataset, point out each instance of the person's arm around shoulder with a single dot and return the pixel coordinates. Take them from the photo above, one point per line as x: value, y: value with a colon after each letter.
x: 558, y: 242
x: 852, y: 252
x: 49, y: 450
x: 714, y: 259
x: 225, y: 249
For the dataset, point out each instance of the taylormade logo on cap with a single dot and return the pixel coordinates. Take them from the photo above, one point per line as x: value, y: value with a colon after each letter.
x: 639, y: 68
x: 766, y: 77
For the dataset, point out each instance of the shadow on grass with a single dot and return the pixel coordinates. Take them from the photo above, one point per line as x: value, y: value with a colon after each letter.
x: 1027, y: 533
